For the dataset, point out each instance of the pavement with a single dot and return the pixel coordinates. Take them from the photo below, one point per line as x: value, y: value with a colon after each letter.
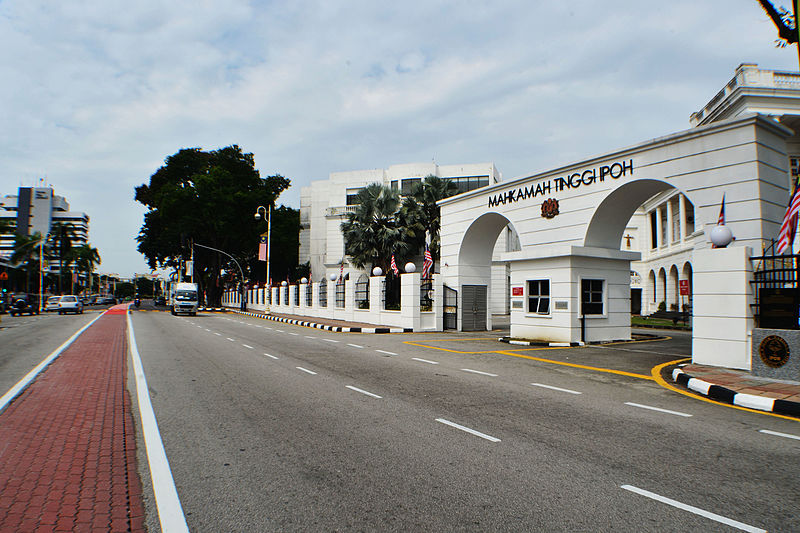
x: 68, y: 448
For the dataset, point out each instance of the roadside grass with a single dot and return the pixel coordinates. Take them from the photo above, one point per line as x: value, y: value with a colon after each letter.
x: 666, y: 323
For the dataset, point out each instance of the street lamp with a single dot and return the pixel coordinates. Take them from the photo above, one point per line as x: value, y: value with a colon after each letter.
x: 268, y: 216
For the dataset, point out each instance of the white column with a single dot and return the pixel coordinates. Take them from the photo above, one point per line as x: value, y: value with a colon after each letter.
x: 682, y: 221
x: 659, y: 244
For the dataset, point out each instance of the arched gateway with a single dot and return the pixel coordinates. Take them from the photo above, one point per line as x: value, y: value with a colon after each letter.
x: 570, y: 280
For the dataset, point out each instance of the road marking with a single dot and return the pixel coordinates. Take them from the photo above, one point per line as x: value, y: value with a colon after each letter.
x: 232, y: 340
x: 424, y: 361
x: 468, y: 430
x: 695, y: 510
x: 479, y: 372
x: 30, y: 376
x: 309, y: 337
x: 217, y: 334
x: 208, y: 330
x: 354, y: 345
x: 248, y: 346
x: 786, y: 435
x: 295, y: 334
x: 270, y: 356
x: 363, y: 391
x: 168, y: 504
x: 279, y: 330
x: 329, y: 340
x: 306, y: 370
x: 657, y: 409
x: 555, y: 388
x: 384, y: 351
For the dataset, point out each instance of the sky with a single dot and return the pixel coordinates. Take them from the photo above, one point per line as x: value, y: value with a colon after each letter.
x: 96, y: 94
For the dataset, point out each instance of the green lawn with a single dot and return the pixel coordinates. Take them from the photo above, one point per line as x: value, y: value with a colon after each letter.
x: 657, y: 323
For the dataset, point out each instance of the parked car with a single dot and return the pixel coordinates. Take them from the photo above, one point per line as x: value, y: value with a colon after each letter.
x: 70, y: 304
x: 52, y: 303
x: 22, y: 304
x: 105, y: 300
x: 85, y: 299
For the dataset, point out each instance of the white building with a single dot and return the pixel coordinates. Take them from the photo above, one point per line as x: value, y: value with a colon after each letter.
x: 36, y: 210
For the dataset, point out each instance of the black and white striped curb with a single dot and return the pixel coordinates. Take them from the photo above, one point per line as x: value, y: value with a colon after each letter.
x: 540, y: 343
x: 339, y: 329
x: 211, y: 309
x: 723, y: 394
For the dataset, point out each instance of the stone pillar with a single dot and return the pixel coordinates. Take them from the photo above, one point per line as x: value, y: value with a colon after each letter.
x: 409, y: 300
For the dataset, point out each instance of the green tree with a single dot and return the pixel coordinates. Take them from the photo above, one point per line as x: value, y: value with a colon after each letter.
x: 785, y: 21
x: 26, y: 252
x: 62, y: 236
x: 420, y: 213
x: 284, y: 247
x: 208, y: 198
x: 375, y: 231
x: 86, y: 258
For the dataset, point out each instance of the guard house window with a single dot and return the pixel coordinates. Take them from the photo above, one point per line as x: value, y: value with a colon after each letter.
x: 592, y: 296
x: 539, y: 296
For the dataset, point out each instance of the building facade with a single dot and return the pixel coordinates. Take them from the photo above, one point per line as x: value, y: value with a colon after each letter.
x: 38, y: 210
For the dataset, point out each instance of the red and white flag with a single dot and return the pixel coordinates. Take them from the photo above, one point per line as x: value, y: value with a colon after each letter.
x: 789, y: 226
x: 394, y: 267
x: 427, y: 263
x: 341, y: 270
x: 721, y: 218
x: 262, y: 248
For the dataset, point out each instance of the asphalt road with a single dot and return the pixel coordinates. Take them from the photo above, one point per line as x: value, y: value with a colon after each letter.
x: 272, y: 427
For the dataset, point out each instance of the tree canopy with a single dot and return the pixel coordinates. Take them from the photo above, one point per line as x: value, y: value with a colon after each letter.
x: 207, y: 197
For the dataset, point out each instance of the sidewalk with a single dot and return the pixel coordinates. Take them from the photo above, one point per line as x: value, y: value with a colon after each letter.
x: 68, y: 447
x: 741, y: 388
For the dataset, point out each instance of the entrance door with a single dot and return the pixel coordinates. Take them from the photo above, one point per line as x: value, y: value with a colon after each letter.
x: 636, y: 301
x: 473, y: 304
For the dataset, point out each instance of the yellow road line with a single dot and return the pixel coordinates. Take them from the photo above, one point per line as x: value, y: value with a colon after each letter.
x: 656, y: 373
x: 575, y: 365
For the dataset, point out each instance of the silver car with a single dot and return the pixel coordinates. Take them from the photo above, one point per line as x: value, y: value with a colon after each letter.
x: 52, y: 303
x: 70, y: 304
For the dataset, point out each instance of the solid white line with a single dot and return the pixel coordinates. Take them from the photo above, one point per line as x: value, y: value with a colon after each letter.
x: 387, y: 353
x: 787, y: 435
x: 270, y: 356
x: 424, y: 361
x: 657, y: 409
x: 306, y: 370
x: 168, y: 504
x: 362, y: 391
x: 479, y: 372
x: 354, y: 345
x: 30, y: 376
x: 695, y: 510
x: 555, y: 388
x: 468, y: 430
x: 248, y: 346
x: 329, y: 340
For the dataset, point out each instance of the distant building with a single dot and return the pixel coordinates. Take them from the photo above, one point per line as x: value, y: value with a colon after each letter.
x: 37, y: 210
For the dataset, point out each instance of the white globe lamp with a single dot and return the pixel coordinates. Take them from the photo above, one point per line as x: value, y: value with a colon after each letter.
x: 284, y: 283
x: 410, y: 267
x: 721, y: 236
x: 377, y: 271
x: 332, y: 276
x: 304, y: 280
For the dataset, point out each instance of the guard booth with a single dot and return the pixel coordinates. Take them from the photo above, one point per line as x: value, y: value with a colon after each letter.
x: 570, y: 280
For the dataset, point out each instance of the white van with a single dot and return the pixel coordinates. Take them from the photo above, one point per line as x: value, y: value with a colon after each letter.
x: 183, y: 298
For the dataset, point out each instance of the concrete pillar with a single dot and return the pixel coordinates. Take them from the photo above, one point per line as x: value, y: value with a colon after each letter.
x: 409, y: 300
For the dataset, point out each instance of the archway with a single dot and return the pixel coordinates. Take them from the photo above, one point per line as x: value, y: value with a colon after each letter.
x: 674, y: 289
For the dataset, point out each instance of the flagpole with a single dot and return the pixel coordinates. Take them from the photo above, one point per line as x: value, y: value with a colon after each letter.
x: 269, y: 232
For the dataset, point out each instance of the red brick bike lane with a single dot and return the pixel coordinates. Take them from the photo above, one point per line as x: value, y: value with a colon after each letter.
x: 68, y: 444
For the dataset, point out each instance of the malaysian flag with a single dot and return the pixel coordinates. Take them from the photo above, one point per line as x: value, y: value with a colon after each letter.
x: 427, y: 263
x: 789, y: 226
x: 721, y: 218
x: 341, y: 271
x: 394, y: 267
x: 262, y: 248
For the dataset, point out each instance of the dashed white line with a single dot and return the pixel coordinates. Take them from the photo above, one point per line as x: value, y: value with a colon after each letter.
x: 479, y: 372
x: 307, y: 371
x: 271, y: 356
x: 424, y: 361
x: 667, y: 411
x: 295, y: 334
x: 354, y: 345
x: 279, y: 330
x: 207, y: 330
x: 218, y: 334
x: 248, y: 346
x: 363, y: 391
x: 232, y: 340
x: 785, y: 435
x: 555, y: 388
x: 309, y: 337
x: 468, y: 430
x: 384, y: 351
x: 329, y: 340
x: 706, y: 514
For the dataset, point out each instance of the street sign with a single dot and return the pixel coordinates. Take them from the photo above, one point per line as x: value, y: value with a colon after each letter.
x: 684, y: 286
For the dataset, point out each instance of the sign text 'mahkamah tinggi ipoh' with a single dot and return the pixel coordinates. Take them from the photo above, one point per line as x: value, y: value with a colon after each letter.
x: 573, y: 181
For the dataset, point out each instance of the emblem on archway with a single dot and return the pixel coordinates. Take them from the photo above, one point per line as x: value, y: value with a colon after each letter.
x: 550, y: 208
x: 774, y: 351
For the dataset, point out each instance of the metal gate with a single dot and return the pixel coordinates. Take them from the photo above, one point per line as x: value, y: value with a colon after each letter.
x: 473, y: 302
x: 450, y: 302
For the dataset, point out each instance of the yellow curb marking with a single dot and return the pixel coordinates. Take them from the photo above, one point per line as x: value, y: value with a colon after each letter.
x: 575, y: 365
x: 656, y: 373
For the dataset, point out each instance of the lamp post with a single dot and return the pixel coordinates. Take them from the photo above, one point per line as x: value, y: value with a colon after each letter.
x: 41, y: 266
x: 268, y: 216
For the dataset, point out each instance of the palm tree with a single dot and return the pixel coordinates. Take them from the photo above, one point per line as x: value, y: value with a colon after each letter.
x: 63, y: 235
x: 86, y: 258
x: 26, y: 250
x: 373, y: 232
x: 420, y: 213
